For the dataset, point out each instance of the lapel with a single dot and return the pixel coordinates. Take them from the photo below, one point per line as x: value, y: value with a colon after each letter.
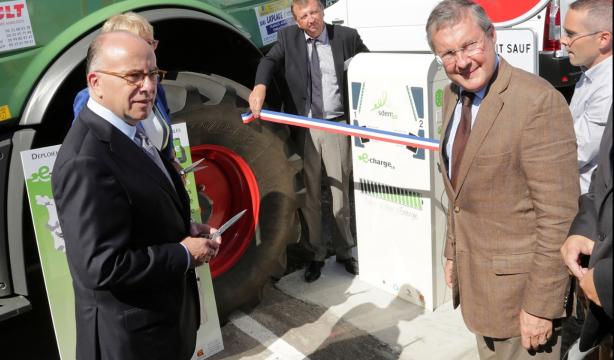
x: 127, y: 152
x: 450, y: 100
x: 487, y: 115
x: 336, y: 45
x: 296, y: 44
x: 604, y: 168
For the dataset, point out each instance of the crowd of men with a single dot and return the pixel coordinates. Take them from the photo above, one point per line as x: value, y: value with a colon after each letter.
x: 528, y: 178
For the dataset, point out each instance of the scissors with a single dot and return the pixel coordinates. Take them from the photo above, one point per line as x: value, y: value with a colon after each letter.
x: 192, y: 168
x: 226, y: 225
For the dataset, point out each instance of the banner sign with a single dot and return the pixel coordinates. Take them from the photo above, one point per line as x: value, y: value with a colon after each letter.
x: 272, y: 17
x: 345, y: 129
x: 38, y: 168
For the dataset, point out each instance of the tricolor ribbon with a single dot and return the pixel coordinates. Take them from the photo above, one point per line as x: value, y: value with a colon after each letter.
x: 344, y: 129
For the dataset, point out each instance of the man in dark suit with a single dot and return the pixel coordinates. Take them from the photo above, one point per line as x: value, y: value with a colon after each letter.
x: 508, y: 160
x: 125, y: 217
x: 312, y: 55
x: 591, y: 234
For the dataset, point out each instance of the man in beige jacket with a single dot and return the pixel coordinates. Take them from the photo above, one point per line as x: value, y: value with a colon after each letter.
x: 509, y: 163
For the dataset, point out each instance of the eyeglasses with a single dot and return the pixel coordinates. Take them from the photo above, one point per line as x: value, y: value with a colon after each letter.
x: 573, y: 37
x: 137, y: 78
x: 469, y: 49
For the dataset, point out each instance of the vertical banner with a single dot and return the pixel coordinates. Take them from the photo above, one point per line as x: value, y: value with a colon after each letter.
x: 38, y: 167
x: 209, y: 336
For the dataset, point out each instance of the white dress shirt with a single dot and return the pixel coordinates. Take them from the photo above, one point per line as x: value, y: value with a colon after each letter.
x: 331, y: 92
x: 589, y: 107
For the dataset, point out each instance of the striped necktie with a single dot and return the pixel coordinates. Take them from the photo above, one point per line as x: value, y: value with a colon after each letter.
x: 151, y: 151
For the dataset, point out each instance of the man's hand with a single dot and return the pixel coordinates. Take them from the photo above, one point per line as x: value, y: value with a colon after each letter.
x: 587, y: 284
x: 201, y: 247
x: 256, y: 99
x: 199, y: 230
x: 534, y: 331
x: 447, y: 270
x: 572, y: 249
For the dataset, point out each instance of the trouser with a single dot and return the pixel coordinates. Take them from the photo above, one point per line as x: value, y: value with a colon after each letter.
x: 511, y: 349
x: 334, y: 151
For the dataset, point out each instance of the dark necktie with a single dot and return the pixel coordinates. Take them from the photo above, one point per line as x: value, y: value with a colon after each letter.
x: 150, y: 150
x: 462, y: 135
x: 317, y: 102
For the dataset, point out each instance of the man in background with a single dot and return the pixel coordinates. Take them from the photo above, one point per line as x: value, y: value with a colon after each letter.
x: 588, y: 38
x: 312, y: 55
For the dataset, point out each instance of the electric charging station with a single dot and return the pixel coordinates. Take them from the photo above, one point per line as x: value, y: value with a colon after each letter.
x: 399, y: 196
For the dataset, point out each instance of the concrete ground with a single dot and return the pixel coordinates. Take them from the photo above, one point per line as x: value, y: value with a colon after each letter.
x: 341, y: 317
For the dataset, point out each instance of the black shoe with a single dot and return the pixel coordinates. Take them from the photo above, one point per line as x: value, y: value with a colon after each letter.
x: 313, y: 271
x: 350, y: 264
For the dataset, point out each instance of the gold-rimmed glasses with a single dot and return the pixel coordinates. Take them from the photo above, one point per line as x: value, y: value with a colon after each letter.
x: 470, y: 49
x: 137, y: 78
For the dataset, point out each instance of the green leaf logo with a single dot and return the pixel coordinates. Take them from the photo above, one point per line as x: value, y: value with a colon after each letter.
x: 381, y: 101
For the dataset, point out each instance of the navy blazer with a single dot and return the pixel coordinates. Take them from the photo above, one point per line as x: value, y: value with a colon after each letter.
x: 122, y: 222
x: 289, y: 57
x: 594, y: 221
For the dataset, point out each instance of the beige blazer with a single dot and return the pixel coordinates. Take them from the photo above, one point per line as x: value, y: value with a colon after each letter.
x: 515, y: 199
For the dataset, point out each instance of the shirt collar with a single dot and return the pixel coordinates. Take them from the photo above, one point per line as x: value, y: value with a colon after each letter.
x: 109, y: 116
x: 482, y: 92
x: 597, y: 70
x: 322, y: 38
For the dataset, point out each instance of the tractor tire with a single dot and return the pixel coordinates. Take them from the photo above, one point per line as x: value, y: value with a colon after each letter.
x: 211, y: 107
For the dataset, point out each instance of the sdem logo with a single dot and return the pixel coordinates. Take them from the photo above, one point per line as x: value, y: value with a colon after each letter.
x: 11, y: 12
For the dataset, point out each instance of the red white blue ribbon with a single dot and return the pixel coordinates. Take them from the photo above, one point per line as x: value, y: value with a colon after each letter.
x: 344, y: 129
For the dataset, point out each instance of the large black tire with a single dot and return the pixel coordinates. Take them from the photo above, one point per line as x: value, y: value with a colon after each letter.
x: 211, y: 106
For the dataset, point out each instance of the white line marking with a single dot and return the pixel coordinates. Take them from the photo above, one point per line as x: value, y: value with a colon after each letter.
x: 279, y: 348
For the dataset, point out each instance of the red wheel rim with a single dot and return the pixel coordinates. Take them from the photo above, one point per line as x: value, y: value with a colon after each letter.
x: 230, y: 185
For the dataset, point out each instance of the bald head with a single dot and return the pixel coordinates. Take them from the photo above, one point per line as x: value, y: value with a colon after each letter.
x: 117, y: 63
x: 114, y: 43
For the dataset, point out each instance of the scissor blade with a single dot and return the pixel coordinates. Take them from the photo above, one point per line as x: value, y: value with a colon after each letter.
x: 230, y: 222
x: 192, y: 166
x: 198, y: 169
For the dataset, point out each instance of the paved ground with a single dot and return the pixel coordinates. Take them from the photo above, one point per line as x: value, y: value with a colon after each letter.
x: 340, y: 317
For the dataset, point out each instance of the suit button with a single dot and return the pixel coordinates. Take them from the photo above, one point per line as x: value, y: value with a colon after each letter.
x: 601, y: 236
x: 456, y: 209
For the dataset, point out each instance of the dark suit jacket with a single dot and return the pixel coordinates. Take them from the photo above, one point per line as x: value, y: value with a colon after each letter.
x: 594, y: 220
x: 122, y: 223
x: 289, y: 57
x: 515, y: 197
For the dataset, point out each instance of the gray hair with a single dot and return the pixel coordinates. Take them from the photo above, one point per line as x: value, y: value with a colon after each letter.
x: 93, y: 53
x: 599, y: 13
x: 451, y: 12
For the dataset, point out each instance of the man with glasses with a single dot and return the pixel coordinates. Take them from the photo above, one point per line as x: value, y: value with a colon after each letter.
x: 508, y: 160
x: 587, y: 36
x: 158, y: 125
x: 125, y: 216
x: 588, y: 39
